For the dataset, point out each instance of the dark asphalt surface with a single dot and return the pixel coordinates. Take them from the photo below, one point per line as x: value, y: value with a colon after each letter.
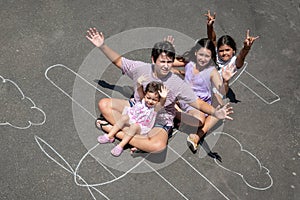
x: 259, y: 149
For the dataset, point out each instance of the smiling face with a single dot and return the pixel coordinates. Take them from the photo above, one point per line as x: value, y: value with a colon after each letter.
x: 163, y: 65
x: 203, y: 57
x: 151, y: 99
x: 225, y: 52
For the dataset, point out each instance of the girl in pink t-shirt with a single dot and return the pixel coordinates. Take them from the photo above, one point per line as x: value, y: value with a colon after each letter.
x: 140, y: 118
x: 201, y: 74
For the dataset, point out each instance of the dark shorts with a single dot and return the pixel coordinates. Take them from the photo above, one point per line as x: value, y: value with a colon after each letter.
x: 168, y: 129
x: 131, y: 102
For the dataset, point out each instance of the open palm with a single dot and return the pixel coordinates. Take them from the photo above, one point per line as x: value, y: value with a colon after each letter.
x: 95, y: 37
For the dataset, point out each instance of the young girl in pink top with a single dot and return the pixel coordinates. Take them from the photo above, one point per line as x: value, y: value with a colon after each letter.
x: 140, y: 118
x: 201, y: 74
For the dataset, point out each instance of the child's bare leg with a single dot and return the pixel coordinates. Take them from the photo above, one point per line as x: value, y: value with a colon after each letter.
x: 189, y: 119
x: 112, y: 110
x: 193, y: 139
x: 209, y: 123
x: 118, y: 126
x: 155, y: 142
x: 130, y: 133
x: 132, y: 130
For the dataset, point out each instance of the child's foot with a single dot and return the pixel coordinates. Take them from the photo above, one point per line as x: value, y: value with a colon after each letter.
x: 116, y: 151
x: 192, y: 143
x: 134, y: 150
x: 100, y: 122
x: 102, y: 139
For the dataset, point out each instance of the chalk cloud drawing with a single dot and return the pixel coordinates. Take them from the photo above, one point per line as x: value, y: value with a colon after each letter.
x: 91, y: 186
x: 259, y: 178
x: 86, y: 73
x: 20, y: 110
x: 102, y: 160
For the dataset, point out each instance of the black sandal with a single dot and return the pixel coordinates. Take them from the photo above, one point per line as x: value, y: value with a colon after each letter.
x: 101, y: 118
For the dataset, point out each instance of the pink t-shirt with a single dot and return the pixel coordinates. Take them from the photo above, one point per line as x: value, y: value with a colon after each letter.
x: 178, y: 89
x: 142, y: 115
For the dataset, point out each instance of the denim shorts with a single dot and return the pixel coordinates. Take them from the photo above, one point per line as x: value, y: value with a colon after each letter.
x: 131, y: 102
x: 168, y: 129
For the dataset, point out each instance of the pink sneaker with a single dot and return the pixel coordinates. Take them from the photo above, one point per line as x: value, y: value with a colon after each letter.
x: 102, y: 139
x: 116, y: 151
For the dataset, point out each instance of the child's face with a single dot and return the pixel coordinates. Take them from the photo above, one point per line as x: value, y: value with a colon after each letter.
x: 225, y: 52
x: 203, y: 57
x: 151, y: 99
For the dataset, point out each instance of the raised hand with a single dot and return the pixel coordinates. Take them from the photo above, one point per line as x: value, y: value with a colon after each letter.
x: 228, y: 72
x: 249, y: 40
x: 210, y: 19
x: 163, y: 92
x: 223, y: 113
x: 95, y: 37
x: 170, y: 39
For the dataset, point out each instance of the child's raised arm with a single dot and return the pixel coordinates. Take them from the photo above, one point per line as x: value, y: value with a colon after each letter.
x: 163, y: 92
x: 139, y: 85
x: 210, y: 27
x: 249, y: 40
x: 176, y: 63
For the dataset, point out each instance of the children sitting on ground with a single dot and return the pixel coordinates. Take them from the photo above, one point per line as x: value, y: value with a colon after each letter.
x: 139, y: 118
x: 201, y: 74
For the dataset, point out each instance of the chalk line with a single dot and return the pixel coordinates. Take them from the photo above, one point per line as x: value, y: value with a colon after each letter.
x: 69, y: 169
x: 65, y: 93
x: 107, y: 182
x: 278, y: 98
x: 239, y: 174
x: 245, y: 71
x: 117, y: 178
x: 240, y: 73
x: 32, y: 107
x: 82, y: 107
x: 204, y: 177
x: 75, y: 172
x: 162, y: 177
x: 92, y: 186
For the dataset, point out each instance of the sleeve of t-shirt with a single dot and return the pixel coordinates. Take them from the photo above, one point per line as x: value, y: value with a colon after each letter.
x: 188, y: 72
x: 128, y: 66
